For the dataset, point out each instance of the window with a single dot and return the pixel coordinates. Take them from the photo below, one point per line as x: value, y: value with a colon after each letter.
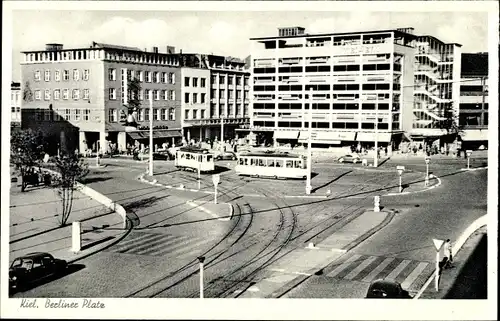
x: 47, y: 75
x: 172, y: 95
x: 164, y: 95
x: 112, y: 115
x: 38, y: 95
x: 246, y: 81
x: 56, y: 116
x: 148, y: 76
x: 229, y: 80
x: 86, y: 74
x: 164, y: 77
x: 231, y: 94
x: 245, y: 110
x: 202, y: 116
x: 222, y: 79
x: 186, y: 116
x: 112, y: 93
x: 202, y: 98
x: 111, y: 74
x: 77, y: 114
x: 86, y: 114
x: 171, y: 114
x: 38, y: 76
x: 76, y: 74
x: 57, y: 94
x: 186, y: 98
x: 238, y: 81
x: 148, y: 93
x: 140, y: 115
x: 156, y: 77
x: 214, y: 93
x: 195, y: 114
x: 57, y: 75
x: 146, y: 114
x: 67, y: 114
x: 85, y: 94
x: 163, y: 114
x: 141, y: 94
x: 222, y: 110
x: 65, y: 94
x: 195, y: 82
x: 47, y: 94
x: 221, y: 93
x: 203, y: 82
x: 186, y: 81
x: 195, y: 98
x: 141, y: 76
x: 156, y: 114
x: 157, y: 94
x: 38, y: 114
x: 214, y: 79
x: 76, y: 94
x: 171, y: 78
x: 46, y: 115
x: 66, y: 75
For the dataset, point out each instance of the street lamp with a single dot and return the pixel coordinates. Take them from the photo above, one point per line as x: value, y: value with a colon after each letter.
x: 375, y: 157
x: 222, y: 132
x: 468, y: 153
x: 309, y: 144
x: 427, y: 161
x: 201, y: 259
x: 151, y: 133
x: 400, y: 169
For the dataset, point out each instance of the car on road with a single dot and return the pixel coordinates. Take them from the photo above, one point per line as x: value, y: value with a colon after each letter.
x: 227, y: 155
x: 160, y: 155
x: 349, y: 158
x: 386, y: 289
x: 32, y: 267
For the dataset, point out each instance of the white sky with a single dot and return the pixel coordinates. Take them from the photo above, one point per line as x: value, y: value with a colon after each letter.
x: 225, y: 33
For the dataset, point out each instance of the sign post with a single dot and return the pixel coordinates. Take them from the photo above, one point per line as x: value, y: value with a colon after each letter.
x: 400, y: 169
x: 437, y: 244
x: 376, y: 205
x: 215, y: 180
x: 427, y: 161
x: 201, y: 259
x: 76, y: 244
x: 469, y: 152
x: 309, y: 146
x: 199, y: 176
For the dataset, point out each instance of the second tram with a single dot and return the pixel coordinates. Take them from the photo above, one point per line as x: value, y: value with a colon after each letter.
x: 193, y: 158
x: 275, y: 165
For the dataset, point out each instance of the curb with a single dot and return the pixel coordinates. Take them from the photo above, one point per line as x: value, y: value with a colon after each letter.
x: 477, y: 224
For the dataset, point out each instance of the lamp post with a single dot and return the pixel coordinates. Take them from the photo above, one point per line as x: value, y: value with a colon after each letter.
x: 468, y: 153
x: 400, y: 172
x: 309, y: 144
x: 222, y: 132
x: 427, y: 161
x: 199, y: 176
x: 151, y: 133
x: 201, y: 259
x: 375, y: 157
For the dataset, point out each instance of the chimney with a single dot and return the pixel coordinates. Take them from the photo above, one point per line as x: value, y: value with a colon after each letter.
x: 170, y: 50
x: 53, y: 46
x: 155, y: 49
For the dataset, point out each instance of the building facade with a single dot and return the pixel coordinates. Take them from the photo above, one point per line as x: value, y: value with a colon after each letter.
x: 354, y: 88
x: 78, y: 97
x: 15, y: 105
x: 473, y: 109
x: 215, y: 89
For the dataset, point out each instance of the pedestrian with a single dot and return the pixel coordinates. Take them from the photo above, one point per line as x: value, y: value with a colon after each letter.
x: 447, y: 253
x: 385, y: 150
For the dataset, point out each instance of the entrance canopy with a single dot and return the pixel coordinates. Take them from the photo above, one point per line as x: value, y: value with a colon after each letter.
x: 144, y: 134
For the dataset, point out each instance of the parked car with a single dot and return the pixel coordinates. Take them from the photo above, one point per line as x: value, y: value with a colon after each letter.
x: 227, y: 155
x: 385, y: 289
x: 31, y: 267
x: 349, y: 159
x: 160, y: 155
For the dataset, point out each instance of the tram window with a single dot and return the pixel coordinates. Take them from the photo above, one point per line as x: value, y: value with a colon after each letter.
x: 253, y: 162
x: 270, y: 162
x: 200, y: 158
x: 183, y: 155
x: 209, y: 158
x: 279, y: 163
x: 289, y: 164
x: 245, y: 161
x: 261, y: 162
x: 240, y: 161
x: 297, y: 164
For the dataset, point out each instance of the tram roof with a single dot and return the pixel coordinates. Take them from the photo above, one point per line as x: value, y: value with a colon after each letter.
x: 270, y: 155
x: 194, y: 150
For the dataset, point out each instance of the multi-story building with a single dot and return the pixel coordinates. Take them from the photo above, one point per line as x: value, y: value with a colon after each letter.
x: 78, y: 97
x: 214, y: 89
x: 354, y: 88
x: 15, y: 105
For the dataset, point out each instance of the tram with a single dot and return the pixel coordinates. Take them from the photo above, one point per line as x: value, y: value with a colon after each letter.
x: 193, y: 158
x: 272, y: 164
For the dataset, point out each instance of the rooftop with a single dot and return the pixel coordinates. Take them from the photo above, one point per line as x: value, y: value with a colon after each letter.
x: 475, y: 64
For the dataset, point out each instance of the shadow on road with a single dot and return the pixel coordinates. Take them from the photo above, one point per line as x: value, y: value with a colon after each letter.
x: 332, y: 181
x: 89, y: 180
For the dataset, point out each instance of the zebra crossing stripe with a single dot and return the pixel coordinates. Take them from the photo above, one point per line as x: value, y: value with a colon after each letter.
x: 135, y: 238
x: 370, y: 277
x: 398, y: 269
x: 131, y: 245
x: 148, y: 250
x: 360, y: 268
x: 414, y: 275
x: 145, y: 246
x: 180, y: 248
x: 344, y: 265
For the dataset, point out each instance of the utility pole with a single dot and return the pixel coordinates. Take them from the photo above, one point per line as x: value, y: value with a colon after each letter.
x: 151, y: 133
x: 375, y: 159
x: 222, y: 132
x: 309, y: 144
x: 483, y: 84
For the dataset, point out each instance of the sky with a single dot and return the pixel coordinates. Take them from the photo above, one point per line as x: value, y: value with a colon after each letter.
x: 222, y: 32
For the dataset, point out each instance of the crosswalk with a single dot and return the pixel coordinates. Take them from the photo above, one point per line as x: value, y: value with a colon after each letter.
x: 156, y: 244
x: 411, y: 274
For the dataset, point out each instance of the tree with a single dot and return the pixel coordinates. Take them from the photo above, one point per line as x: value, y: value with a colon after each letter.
x: 134, y: 87
x: 27, y: 92
x: 26, y: 152
x: 71, y: 168
x: 449, y: 123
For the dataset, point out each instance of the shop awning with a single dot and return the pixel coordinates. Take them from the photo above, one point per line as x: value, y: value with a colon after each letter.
x: 144, y: 134
x: 286, y: 134
x: 326, y: 137
x: 370, y: 137
x: 475, y: 135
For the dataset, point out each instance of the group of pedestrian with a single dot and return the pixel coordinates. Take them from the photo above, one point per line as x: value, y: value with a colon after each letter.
x: 447, y: 261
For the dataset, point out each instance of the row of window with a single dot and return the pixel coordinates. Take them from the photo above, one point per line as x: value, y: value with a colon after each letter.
x: 222, y: 93
x: 324, y: 106
x: 194, y: 82
x: 64, y: 114
x: 145, y: 94
x: 194, y: 113
x: 195, y: 98
x: 326, y: 68
x: 150, y: 76
x: 65, y: 75
x: 222, y: 80
x: 346, y: 87
x: 143, y: 114
x: 325, y: 125
x: 76, y: 94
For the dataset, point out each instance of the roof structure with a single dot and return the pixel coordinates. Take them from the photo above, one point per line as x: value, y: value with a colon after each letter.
x: 475, y: 64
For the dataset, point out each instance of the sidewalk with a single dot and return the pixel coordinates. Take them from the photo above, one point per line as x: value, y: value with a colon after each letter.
x: 34, y: 225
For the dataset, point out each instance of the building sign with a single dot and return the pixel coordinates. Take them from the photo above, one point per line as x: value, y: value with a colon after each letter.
x: 362, y: 49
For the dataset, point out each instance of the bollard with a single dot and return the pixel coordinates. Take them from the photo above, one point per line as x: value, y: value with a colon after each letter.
x: 328, y: 192
x: 376, y: 201
x: 76, y: 244
x: 181, y: 186
x: 311, y: 245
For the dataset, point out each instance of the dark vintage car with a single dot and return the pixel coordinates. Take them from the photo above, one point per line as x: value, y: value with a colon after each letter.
x: 227, y: 155
x: 31, y: 267
x: 385, y: 289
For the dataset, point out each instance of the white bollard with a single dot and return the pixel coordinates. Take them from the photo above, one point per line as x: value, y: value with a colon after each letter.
x: 76, y: 244
x: 311, y: 245
x: 181, y: 186
x: 376, y: 203
x: 328, y: 192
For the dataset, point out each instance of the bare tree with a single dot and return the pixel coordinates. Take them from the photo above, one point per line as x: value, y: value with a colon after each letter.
x: 70, y: 168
